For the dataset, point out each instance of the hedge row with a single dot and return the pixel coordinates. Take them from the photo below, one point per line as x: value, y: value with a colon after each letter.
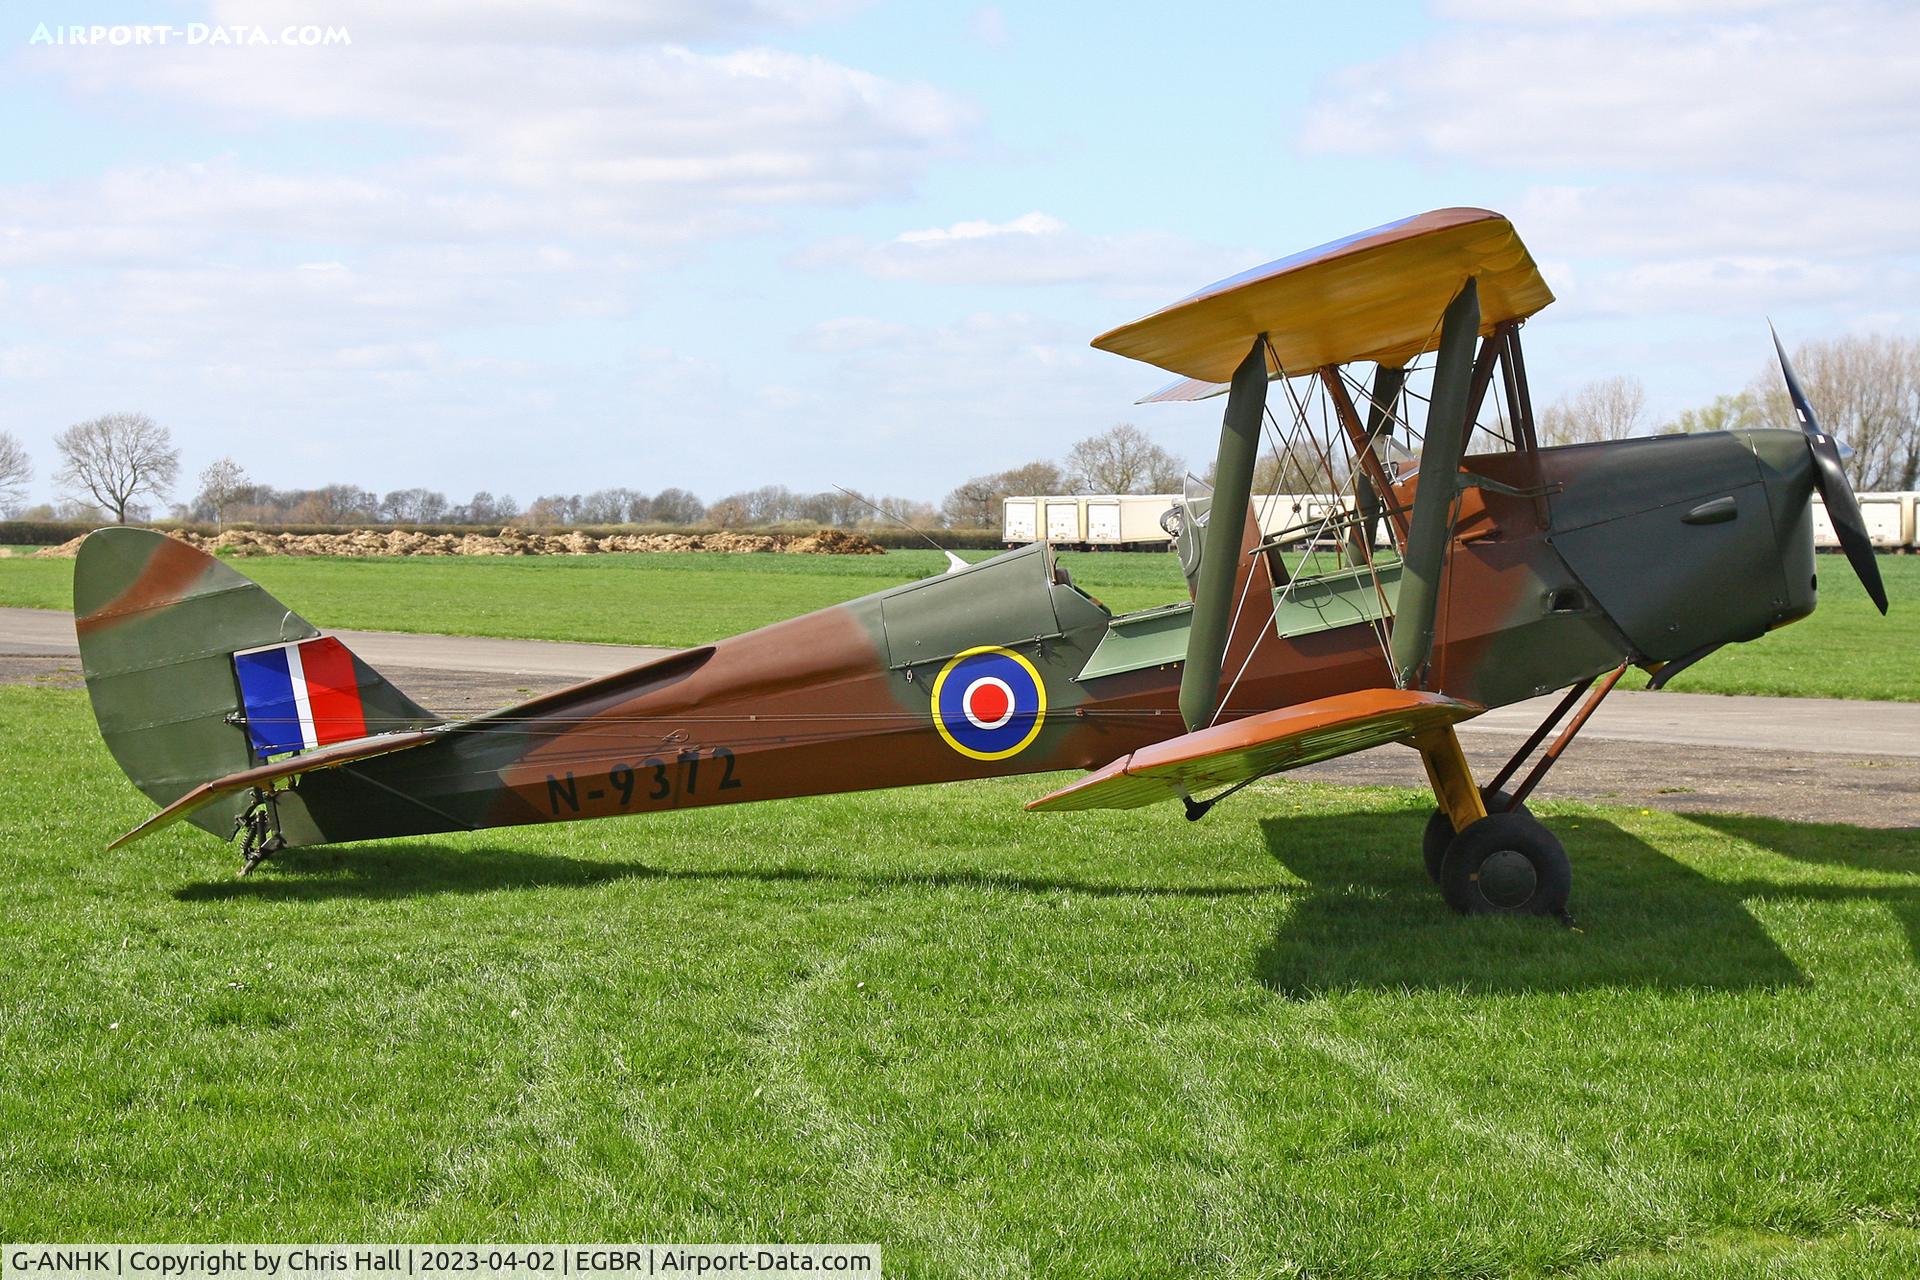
x: 51, y: 533
x: 38, y: 533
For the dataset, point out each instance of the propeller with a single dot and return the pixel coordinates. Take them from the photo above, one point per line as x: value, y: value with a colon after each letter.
x: 1843, y: 509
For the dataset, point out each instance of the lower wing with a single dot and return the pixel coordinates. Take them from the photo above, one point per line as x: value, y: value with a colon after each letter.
x: 1270, y: 742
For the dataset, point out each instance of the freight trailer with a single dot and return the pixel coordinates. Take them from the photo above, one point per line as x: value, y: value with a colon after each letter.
x: 1133, y: 522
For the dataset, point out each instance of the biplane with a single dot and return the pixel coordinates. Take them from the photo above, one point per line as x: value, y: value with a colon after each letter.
x: 1469, y: 568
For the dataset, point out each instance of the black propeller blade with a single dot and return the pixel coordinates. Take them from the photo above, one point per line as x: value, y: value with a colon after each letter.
x: 1835, y: 489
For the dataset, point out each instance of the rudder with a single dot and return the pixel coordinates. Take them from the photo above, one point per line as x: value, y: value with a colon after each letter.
x: 159, y: 623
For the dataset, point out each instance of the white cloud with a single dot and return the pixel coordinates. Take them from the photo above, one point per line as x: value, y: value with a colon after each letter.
x: 677, y: 130
x: 1813, y: 88
x: 579, y: 121
x: 1034, y: 249
x: 552, y: 22
x: 1708, y: 155
x: 989, y: 389
x: 32, y: 360
x: 534, y: 167
x: 989, y: 27
x: 849, y: 333
x: 1566, y: 11
x: 1730, y: 285
x: 1027, y: 224
x: 1763, y: 215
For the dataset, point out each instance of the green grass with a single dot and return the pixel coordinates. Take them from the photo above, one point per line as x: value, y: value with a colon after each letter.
x: 658, y: 599
x: 1845, y: 650
x: 1000, y: 1044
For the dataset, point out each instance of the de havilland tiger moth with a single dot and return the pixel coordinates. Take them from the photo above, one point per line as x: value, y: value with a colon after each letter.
x: 1508, y: 570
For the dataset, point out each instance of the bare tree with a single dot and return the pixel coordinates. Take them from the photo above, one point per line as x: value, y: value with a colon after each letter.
x: 1608, y: 409
x: 336, y: 504
x: 553, y: 509
x: 1726, y: 413
x: 729, y: 512
x: 832, y: 507
x: 769, y: 504
x: 975, y: 503
x: 1036, y: 478
x: 1296, y: 468
x: 414, y: 506
x: 15, y: 470
x: 1866, y: 390
x: 612, y: 506
x: 115, y: 458
x: 487, y: 509
x: 1123, y: 459
x: 219, y: 483
x: 896, y: 511
x: 677, y: 506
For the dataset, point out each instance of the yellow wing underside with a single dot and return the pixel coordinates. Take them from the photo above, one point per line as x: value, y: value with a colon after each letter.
x: 1375, y: 296
x: 1270, y: 742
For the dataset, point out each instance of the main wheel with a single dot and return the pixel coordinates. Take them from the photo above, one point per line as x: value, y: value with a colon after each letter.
x: 1506, y: 864
x: 1439, y: 833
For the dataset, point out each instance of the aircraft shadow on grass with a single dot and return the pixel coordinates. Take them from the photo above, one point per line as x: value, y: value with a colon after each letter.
x: 1371, y: 920
x: 405, y: 870
x: 1879, y: 851
x: 1366, y: 919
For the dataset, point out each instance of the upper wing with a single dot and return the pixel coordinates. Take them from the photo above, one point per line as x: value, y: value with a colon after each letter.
x: 1371, y: 296
x: 1223, y: 754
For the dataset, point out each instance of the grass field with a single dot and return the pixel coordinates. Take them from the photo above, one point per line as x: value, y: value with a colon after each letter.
x: 661, y: 599
x: 1845, y: 650
x: 1106, y: 1045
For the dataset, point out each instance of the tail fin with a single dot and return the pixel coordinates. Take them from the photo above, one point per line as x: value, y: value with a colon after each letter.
x: 160, y: 623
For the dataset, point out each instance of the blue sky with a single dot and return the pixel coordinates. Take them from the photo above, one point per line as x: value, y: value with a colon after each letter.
x: 552, y: 248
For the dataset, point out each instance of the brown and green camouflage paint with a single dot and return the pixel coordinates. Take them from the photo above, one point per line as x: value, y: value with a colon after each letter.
x: 1605, y: 559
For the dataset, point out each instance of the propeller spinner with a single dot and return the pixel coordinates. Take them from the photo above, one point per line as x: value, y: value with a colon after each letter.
x: 1835, y: 490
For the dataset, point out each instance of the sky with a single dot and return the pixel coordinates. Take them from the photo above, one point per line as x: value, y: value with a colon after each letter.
x: 716, y: 244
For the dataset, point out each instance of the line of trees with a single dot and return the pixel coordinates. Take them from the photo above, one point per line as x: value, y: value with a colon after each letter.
x: 110, y: 463
x: 117, y: 467
x: 1866, y: 389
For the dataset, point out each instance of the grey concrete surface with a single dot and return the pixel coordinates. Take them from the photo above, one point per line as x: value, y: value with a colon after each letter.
x: 1807, y: 760
x: 47, y: 632
x: 1764, y: 725
x: 41, y: 632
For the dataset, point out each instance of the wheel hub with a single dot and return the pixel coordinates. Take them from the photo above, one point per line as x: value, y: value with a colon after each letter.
x: 1507, y: 878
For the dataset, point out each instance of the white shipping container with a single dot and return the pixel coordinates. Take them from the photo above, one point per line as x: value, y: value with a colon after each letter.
x: 1103, y: 523
x: 1282, y: 511
x: 1889, y: 518
x: 1063, y: 520
x: 1019, y: 521
x: 1140, y: 518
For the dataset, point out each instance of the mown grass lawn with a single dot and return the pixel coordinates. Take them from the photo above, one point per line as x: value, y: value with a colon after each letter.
x: 1000, y: 1044
x: 1845, y: 650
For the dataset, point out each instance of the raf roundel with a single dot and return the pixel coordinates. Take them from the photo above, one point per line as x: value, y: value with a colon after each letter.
x: 989, y: 703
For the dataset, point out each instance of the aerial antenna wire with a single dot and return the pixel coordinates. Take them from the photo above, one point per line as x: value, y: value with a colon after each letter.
x: 954, y: 562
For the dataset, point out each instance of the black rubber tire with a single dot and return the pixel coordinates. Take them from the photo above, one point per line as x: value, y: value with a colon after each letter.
x: 1506, y: 864
x: 1439, y: 833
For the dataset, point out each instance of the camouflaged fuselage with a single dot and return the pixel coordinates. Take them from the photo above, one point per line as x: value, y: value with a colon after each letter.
x: 1603, y: 561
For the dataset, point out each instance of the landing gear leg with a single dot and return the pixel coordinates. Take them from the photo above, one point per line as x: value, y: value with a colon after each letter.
x: 1500, y: 863
x: 261, y: 825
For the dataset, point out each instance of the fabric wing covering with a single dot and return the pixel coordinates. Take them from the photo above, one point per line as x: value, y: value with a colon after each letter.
x: 1270, y: 742
x: 1373, y: 296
